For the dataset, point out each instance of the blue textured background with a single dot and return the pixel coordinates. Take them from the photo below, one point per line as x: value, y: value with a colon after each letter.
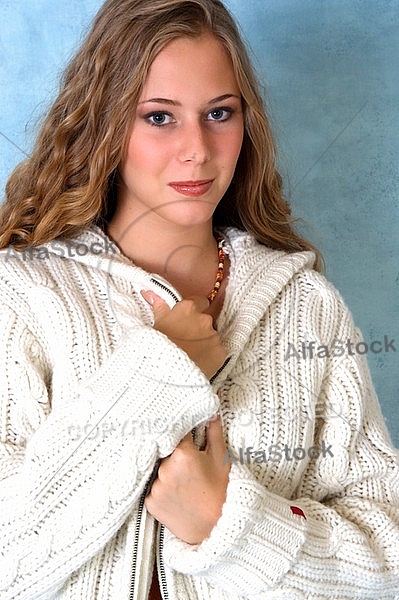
x: 322, y: 63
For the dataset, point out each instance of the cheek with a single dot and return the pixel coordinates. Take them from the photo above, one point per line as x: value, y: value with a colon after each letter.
x: 144, y: 155
x: 232, y: 147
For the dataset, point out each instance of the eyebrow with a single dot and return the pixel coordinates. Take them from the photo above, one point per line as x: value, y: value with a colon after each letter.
x: 175, y: 103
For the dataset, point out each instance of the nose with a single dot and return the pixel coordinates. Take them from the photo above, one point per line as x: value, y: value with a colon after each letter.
x: 194, y: 144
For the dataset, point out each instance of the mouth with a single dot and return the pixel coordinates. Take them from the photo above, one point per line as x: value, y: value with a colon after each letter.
x: 192, y: 188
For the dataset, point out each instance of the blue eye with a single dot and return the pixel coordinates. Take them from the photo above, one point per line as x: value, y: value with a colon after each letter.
x: 220, y: 114
x: 158, y: 119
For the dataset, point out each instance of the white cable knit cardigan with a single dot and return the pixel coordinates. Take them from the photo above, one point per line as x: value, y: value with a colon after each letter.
x: 78, y: 348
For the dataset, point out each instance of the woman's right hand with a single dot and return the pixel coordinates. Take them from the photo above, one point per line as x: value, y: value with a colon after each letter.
x: 189, y: 328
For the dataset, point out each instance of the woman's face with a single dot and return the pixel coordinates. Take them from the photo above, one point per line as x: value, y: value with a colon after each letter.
x: 186, y: 135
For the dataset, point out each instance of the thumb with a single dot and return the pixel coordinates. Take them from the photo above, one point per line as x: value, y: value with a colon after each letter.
x: 159, y: 306
x: 214, y: 437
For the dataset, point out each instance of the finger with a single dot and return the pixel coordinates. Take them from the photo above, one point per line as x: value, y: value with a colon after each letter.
x: 159, y: 306
x: 214, y: 437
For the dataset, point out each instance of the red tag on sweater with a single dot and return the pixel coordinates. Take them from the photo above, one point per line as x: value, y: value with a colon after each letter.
x: 297, y: 511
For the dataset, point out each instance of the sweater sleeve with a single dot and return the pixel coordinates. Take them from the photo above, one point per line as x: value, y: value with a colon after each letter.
x: 62, y: 498
x: 338, y: 534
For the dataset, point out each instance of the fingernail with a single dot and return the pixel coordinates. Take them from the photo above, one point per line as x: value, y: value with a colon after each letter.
x: 213, y: 418
x: 148, y: 296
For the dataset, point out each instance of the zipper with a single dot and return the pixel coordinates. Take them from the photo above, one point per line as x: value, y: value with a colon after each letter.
x: 138, y: 526
x: 165, y: 287
x: 226, y: 362
x: 162, y: 578
x: 135, y: 546
x: 164, y: 591
x: 162, y: 573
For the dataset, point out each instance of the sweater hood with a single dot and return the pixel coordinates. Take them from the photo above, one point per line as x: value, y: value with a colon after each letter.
x: 255, y: 267
x: 258, y: 274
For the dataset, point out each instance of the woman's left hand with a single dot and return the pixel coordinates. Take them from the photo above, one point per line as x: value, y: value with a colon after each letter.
x: 188, y: 494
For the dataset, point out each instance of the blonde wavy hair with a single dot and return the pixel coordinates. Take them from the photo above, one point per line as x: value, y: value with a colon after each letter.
x: 69, y: 180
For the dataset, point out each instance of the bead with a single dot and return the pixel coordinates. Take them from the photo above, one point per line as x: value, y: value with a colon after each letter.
x: 220, y: 271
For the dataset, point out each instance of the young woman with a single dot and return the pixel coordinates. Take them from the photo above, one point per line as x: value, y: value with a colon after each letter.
x: 150, y: 277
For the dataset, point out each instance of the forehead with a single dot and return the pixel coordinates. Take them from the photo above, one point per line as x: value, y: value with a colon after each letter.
x: 191, y: 64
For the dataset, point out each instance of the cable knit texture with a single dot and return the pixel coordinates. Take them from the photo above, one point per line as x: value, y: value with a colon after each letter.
x: 92, y: 397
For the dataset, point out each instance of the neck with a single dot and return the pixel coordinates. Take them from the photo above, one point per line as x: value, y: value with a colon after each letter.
x: 187, y: 257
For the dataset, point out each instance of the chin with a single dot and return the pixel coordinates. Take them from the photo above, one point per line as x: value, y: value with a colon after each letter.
x: 191, y: 215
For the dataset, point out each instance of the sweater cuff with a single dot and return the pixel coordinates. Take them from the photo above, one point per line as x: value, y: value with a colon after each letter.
x: 252, y: 546
x: 150, y: 387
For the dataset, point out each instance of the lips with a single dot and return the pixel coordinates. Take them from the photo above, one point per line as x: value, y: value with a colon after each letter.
x: 192, y: 188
